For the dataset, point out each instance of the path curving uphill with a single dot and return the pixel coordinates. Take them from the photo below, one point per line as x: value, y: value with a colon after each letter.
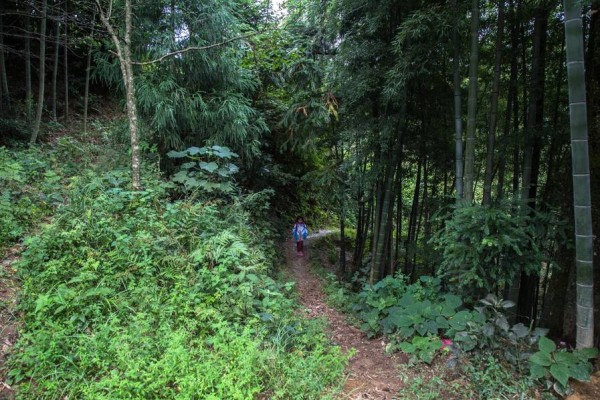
x: 371, y: 374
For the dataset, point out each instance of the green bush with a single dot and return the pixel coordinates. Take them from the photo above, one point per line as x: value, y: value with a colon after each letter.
x: 482, y: 248
x: 29, y: 190
x: 130, y: 295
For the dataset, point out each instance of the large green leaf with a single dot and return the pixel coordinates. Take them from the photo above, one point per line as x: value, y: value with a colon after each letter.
x: 586, y: 354
x: 537, y: 371
x: 561, y: 373
x: 546, y: 345
x: 210, y: 167
x: 562, y: 357
x: 541, y: 358
x: 581, y: 371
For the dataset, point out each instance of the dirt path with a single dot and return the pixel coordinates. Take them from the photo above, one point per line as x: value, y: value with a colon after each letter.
x: 8, y: 318
x: 370, y: 374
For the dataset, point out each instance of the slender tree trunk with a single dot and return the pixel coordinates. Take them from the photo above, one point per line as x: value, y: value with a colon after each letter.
x: 5, y: 95
x: 535, y: 109
x: 379, y: 256
x: 420, y: 220
x: 66, y: 61
x: 412, y: 222
x: 42, y: 79
x: 581, y: 174
x: 123, y: 49
x: 458, y: 139
x: 472, y: 105
x: 529, y: 287
x: 28, y: 90
x: 398, y: 216
x: 55, y: 69
x: 489, y: 168
x: 88, y: 68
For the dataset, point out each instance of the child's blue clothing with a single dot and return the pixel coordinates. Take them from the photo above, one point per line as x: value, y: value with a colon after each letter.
x: 299, y: 231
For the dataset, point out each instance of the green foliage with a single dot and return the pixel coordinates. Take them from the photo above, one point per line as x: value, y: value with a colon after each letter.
x: 486, y: 328
x: 551, y: 364
x: 483, y: 248
x: 421, y: 348
x: 29, y: 190
x: 392, y: 306
x: 207, y: 170
x: 129, y: 295
x: 490, y: 378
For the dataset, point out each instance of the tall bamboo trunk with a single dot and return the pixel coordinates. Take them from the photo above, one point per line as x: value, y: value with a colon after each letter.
x: 412, y: 222
x: 5, y: 95
x: 420, y: 220
x: 489, y: 167
x: 28, y: 90
x: 527, y: 308
x: 593, y: 84
x: 88, y: 68
x: 458, y: 130
x: 581, y: 174
x: 55, y: 69
x: 472, y: 105
x: 66, y: 61
x: 42, y: 73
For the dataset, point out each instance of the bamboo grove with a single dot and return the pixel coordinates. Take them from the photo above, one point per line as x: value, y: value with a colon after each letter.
x: 436, y: 133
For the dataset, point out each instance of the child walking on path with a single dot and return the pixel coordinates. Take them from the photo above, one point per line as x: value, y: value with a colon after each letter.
x: 300, y: 233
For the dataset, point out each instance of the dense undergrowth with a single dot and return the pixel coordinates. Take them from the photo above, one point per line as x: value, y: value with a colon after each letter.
x: 136, y: 295
x: 472, y: 351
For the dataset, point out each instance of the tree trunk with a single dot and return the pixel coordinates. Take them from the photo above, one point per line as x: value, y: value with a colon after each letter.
x: 66, y: 62
x: 42, y: 79
x: 472, y: 105
x: 489, y: 168
x: 412, y: 222
x: 88, y: 68
x: 55, y: 69
x: 28, y: 90
x: 592, y: 64
x: 581, y: 174
x: 124, y: 54
x: 529, y: 290
x: 419, y: 220
x: 458, y: 139
x: 5, y: 97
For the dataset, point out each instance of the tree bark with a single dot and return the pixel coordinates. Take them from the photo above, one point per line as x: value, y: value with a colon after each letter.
x: 123, y: 48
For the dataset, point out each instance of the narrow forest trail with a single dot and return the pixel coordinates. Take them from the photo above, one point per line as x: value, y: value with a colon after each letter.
x: 371, y: 374
x: 8, y: 319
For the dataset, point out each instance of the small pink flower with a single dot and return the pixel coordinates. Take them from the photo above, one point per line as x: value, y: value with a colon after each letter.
x: 446, y: 342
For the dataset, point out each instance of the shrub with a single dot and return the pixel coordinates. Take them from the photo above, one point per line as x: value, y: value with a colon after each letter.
x: 129, y: 295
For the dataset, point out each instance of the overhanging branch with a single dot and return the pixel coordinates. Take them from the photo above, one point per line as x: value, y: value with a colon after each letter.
x: 195, y: 48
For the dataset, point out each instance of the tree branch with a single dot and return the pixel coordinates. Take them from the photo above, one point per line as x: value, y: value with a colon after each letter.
x: 193, y: 48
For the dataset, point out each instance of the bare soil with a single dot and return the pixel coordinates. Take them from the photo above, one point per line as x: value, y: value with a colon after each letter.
x: 371, y: 374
